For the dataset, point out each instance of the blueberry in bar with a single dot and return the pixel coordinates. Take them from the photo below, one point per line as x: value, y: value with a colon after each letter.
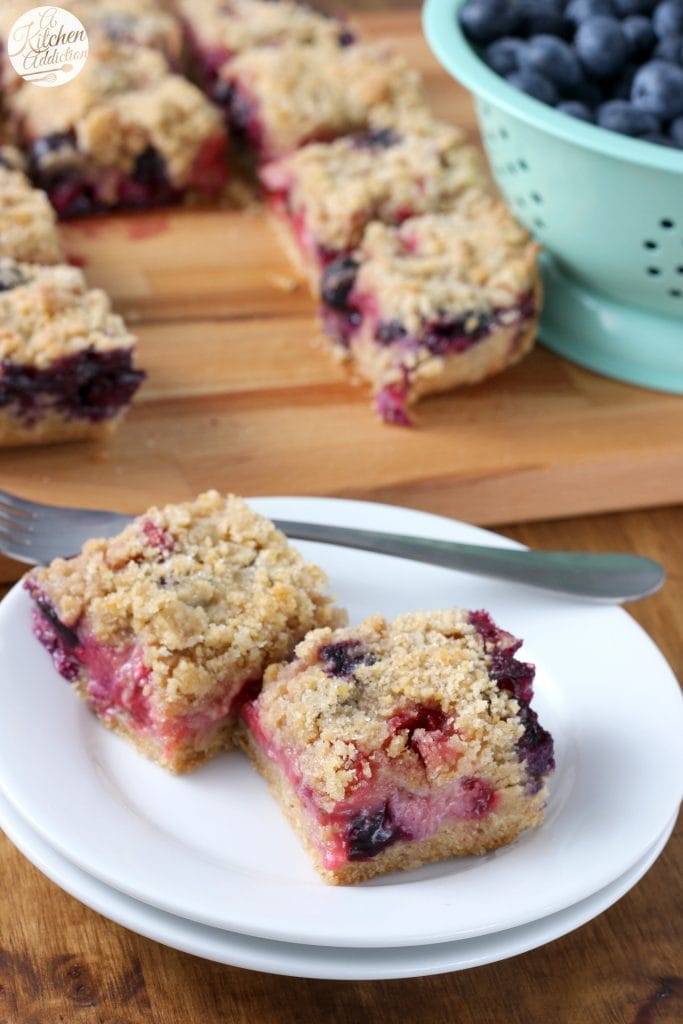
x: 326, y: 194
x: 441, y: 300
x: 66, y: 361
x: 28, y: 230
x: 125, y: 133
x: 392, y: 744
x: 163, y: 629
x: 278, y: 98
x: 218, y: 30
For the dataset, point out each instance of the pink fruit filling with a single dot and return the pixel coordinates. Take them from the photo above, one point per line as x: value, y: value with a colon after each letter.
x: 377, y: 811
x: 117, y: 677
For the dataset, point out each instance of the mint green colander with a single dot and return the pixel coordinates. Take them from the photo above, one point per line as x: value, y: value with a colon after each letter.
x: 608, y: 210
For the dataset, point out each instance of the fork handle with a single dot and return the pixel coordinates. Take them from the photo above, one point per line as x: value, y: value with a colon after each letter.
x: 600, y: 577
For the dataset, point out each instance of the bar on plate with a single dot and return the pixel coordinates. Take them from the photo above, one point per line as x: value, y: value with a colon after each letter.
x: 393, y: 744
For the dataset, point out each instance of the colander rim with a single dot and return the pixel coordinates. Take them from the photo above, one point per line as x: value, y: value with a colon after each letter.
x: 448, y: 43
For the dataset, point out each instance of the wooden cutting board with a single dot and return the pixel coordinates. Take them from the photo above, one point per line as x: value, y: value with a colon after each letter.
x: 241, y: 394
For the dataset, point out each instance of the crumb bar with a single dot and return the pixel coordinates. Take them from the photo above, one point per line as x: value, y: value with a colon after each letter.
x: 125, y: 133
x: 164, y: 628
x: 327, y: 193
x: 278, y: 98
x: 391, y: 744
x: 218, y: 30
x: 439, y: 301
x: 66, y: 361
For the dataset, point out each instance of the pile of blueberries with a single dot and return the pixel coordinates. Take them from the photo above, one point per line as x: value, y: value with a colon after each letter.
x: 615, y: 63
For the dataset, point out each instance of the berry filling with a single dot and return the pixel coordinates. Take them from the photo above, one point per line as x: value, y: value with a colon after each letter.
x: 376, y: 810
x: 535, y: 746
x: 343, y: 658
x: 87, y: 385
x: 117, y: 676
x: 60, y: 170
x: 345, y: 311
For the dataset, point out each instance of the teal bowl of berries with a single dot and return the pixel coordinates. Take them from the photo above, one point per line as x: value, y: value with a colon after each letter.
x: 580, y: 108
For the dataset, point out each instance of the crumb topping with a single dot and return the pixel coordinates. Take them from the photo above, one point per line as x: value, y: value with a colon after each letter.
x: 303, y: 93
x: 238, y: 25
x: 49, y: 312
x: 475, y: 257
x: 27, y: 221
x: 342, y: 727
x: 342, y: 185
x: 209, y: 590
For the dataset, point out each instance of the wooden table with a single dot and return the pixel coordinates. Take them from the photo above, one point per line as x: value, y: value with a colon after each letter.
x: 60, y: 962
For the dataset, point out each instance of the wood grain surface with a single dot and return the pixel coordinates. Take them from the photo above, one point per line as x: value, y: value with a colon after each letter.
x: 245, y: 400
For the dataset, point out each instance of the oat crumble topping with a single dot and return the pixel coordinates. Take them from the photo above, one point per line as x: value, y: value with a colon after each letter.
x: 51, y: 313
x: 27, y: 221
x: 209, y: 590
x: 340, y: 186
x: 476, y: 257
x: 304, y: 92
x: 238, y: 25
x: 436, y: 659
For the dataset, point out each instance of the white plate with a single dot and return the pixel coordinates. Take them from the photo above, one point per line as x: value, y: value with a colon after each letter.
x: 303, y: 961
x: 213, y: 847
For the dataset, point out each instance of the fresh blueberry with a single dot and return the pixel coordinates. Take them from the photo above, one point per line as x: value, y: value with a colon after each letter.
x: 639, y: 34
x: 670, y: 48
x: 660, y: 139
x: 534, y: 85
x: 370, y: 833
x: 505, y: 55
x: 483, y: 21
x: 676, y: 131
x: 601, y: 46
x: 621, y: 116
x: 625, y: 8
x: 576, y: 109
x: 538, y: 17
x: 554, y: 59
x: 667, y: 19
x: 658, y: 89
x: 587, y: 92
x: 620, y: 87
x: 337, y: 281
x: 580, y: 10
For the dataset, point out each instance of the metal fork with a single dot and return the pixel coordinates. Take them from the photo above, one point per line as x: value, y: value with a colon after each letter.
x: 35, y: 533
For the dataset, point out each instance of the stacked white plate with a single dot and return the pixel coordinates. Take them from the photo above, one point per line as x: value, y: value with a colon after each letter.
x: 206, y: 863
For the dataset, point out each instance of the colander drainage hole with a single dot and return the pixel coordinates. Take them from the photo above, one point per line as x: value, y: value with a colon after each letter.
x: 667, y: 223
x: 649, y: 244
x: 653, y: 271
x: 522, y: 164
x: 675, y: 293
x: 536, y: 197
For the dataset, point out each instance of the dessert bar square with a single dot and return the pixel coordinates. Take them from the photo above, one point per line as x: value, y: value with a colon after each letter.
x: 218, y: 30
x: 278, y: 98
x: 28, y: 230
x: 125, y: 133
x: 162, y: 629
x: 391, y: 744
x: 66, y: 361
x: 439, y: 301
x: 327, y: 193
